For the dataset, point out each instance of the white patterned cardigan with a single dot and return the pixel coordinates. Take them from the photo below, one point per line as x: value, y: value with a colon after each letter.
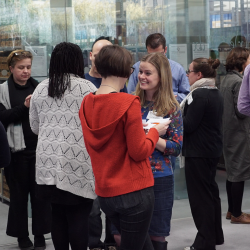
x: 61, y: 155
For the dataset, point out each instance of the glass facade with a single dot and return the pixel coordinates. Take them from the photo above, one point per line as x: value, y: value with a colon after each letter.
x: 193, y: 28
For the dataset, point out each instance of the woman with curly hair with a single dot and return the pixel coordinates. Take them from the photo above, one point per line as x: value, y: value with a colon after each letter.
x: 63, y: 167
x: 235, y: 135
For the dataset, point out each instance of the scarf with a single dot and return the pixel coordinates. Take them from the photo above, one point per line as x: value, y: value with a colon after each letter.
x: 208, y: 83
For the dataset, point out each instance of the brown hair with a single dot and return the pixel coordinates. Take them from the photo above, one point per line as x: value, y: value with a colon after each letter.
x: 206, y: 66
x: 113, y: 60
x: 164, y: 99
x: 18, y: 55
x: 236, y: 58
x: 155, y: 40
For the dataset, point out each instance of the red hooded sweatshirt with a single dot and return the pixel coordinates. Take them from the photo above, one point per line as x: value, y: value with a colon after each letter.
x: 116, y: 142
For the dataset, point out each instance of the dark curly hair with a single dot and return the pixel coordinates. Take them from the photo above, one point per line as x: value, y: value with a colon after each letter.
x: 206, y: 66
x: 66, y: 59
x: 236, y: 59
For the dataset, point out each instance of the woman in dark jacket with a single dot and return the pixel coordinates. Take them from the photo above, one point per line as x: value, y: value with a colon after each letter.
x: 202, y: 148
x: 15, y: 96
x: 235, y: 135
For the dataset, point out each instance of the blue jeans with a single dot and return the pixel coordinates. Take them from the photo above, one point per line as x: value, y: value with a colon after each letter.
x: 164, y: 198
x: 131, y: 214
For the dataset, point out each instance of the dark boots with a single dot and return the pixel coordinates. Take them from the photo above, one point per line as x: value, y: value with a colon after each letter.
x: 158, y: 245
x: 39, y: 242
x: 25, y: 243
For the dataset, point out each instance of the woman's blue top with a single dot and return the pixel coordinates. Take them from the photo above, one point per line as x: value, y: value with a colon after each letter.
x: 161, y: 161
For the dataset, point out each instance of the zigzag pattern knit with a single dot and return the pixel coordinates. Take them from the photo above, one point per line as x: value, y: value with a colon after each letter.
x: 61, y: 155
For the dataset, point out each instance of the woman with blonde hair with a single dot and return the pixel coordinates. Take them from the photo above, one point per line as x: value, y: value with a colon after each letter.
x: 158, y: 101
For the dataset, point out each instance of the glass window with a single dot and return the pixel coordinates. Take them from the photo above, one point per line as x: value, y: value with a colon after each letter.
x: 212, y: 24
x: 192, y: 28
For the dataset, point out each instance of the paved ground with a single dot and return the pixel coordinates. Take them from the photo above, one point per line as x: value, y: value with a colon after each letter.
x: 183, y: 230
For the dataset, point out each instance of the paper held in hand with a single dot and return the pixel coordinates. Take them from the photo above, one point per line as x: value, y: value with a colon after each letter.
x: 152, y: 122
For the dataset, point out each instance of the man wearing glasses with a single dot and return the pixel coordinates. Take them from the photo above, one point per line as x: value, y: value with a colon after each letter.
x: 157, y: 43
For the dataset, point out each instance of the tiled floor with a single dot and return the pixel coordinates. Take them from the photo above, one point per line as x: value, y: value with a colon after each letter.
x: 183, y: 230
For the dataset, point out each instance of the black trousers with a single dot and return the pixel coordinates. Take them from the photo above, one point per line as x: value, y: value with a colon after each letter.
x: 20, y: 177
x: 204, y: 201
x: 70, y: 225
x: 95, y: 228
x: 131, y: 214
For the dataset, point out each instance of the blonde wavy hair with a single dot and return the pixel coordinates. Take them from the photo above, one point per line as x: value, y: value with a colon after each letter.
x: 164, y: 99
x: 18, y: 55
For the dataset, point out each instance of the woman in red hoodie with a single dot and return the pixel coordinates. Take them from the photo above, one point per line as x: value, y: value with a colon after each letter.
x: 119, y: 149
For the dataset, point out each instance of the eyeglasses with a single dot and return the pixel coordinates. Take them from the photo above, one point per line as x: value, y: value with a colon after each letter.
x: 24, y: 53
x: 189, y: 71
x: 132, y: 70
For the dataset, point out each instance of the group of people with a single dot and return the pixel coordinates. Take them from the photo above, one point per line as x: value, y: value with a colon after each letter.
x: 79, y: 144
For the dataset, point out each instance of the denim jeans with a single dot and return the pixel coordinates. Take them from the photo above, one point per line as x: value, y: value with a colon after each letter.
x: 131, y: 214
x: 164, y: 199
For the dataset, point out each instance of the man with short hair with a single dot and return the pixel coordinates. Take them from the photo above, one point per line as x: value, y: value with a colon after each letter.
x: 93, y: 76
x: 157, y: 43
x: 95, y: 221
